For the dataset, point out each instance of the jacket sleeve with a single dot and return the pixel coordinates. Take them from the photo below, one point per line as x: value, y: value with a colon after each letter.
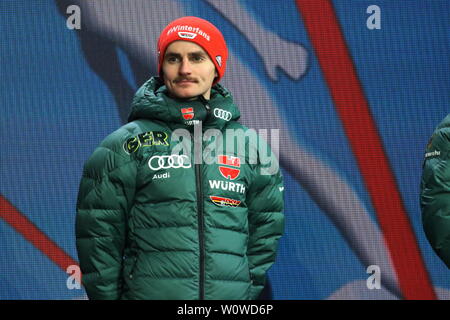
x: 266, y: 221
x: 435, y: 194
x: 105, y: 195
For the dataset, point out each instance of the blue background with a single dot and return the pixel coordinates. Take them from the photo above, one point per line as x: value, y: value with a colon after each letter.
x: 55, y: 110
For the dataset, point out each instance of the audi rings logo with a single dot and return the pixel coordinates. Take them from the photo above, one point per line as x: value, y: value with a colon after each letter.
x: 166, y: 162
x: 222, y: 114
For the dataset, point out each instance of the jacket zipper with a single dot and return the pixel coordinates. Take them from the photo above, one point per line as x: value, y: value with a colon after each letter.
x: 201, y: 236
x: 130, y: 275
x: 200, y: 209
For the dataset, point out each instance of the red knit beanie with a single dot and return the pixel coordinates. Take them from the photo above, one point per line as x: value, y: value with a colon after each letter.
x: 199, y: 31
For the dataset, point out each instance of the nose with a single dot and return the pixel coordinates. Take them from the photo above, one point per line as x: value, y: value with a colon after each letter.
x: 185, y: 67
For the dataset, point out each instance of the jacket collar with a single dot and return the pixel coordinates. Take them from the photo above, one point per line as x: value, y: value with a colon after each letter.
x: 152, y: 102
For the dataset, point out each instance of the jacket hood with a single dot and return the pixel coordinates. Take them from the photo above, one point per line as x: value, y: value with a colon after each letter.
x: 445, y: 122
x: 152, y: 102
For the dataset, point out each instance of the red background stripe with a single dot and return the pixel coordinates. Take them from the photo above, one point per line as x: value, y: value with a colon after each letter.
x: 353, y: 109
x: 36, y: 237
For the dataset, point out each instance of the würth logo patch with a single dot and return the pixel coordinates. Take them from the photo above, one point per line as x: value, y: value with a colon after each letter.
x: 188, y: 113
x: 229, y: 166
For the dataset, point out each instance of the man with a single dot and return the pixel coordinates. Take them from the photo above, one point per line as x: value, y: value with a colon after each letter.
x: 157, y: 221
x: 435, y: 191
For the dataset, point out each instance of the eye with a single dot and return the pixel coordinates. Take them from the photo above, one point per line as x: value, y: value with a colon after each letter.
x: 172, y: 59
x: 197, y: 58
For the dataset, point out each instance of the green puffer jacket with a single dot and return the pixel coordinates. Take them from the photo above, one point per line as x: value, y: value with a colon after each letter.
x: 154, y: 222
x: 435, y: 191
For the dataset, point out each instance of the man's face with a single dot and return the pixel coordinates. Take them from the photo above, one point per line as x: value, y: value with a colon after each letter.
x: 188, y: 70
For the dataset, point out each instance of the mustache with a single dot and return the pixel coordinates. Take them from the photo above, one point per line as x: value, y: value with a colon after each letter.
x: 185, y: 79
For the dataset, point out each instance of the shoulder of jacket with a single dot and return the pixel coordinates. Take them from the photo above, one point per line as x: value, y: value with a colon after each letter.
x: 233, y: 124
x: 257, y: 138
x: 445, y: 123
x: 443, y: 128
x: 438, y: 145
x: 110, y: 153
x: 441, y: 135
x: 116, y: 141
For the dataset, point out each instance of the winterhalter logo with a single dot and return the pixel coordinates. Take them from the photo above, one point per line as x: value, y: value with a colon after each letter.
x: 189, y: 32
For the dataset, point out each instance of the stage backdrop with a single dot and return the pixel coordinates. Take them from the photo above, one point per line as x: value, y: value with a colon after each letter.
x: 355, y: 88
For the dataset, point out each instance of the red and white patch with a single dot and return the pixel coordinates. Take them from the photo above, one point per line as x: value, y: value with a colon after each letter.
x: 230, y: 165
x: 188, y: 113
x: 224, y: 202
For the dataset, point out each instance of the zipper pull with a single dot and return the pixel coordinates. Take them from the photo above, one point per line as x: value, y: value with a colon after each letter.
x: 206, y: 105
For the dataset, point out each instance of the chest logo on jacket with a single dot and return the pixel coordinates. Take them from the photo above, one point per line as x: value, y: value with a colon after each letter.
x: 146, y: 139
x: 229, y: 166
x: 222, y: 114
x: 224, y: 202
x: 188, y: 113
x: 167, y: 162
